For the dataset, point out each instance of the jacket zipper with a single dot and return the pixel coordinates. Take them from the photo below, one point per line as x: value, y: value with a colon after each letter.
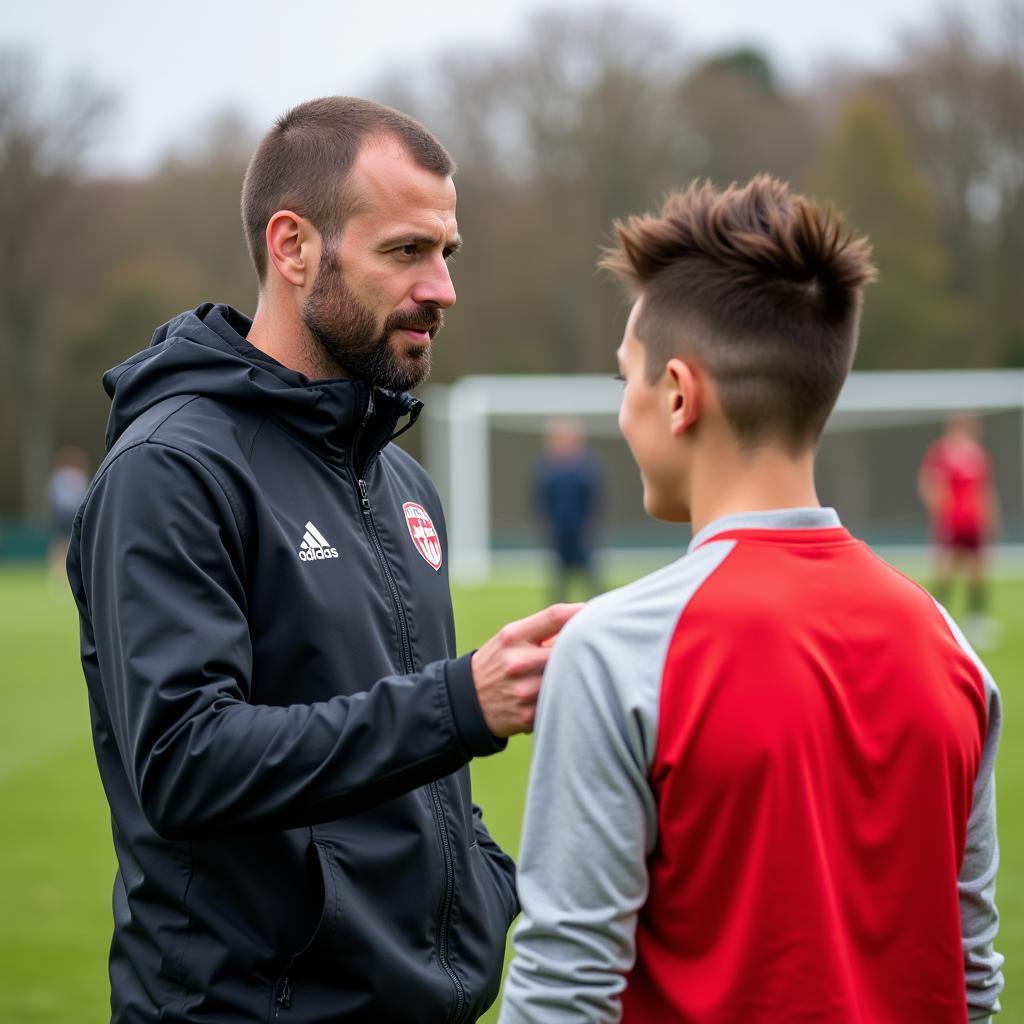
x: 442, y: 827
x: 371, y: 527
x: 284, y: 1001
x: 446, y: 906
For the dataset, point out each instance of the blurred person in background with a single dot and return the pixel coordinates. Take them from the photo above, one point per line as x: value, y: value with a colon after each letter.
x: 957, y: 486
x: 65, y: 488
x: 567, y: 497
x: 762, y: 785
x: 280, y: 720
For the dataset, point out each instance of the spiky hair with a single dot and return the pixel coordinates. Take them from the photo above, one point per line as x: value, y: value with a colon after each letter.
x: 760, y: 285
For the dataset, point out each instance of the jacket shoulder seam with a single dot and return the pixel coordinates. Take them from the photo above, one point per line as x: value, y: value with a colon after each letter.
x: 241, y: 520
x: 171, y: 413
x: 255, y: 435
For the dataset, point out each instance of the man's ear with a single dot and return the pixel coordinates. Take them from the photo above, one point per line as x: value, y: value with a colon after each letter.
x: 685, y: 384
x: 293, y: 247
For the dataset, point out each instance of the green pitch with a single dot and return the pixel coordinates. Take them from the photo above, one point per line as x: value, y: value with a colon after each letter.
x: 56, y: 862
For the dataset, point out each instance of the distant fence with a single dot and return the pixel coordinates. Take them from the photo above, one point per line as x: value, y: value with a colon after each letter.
x: 22, y: 542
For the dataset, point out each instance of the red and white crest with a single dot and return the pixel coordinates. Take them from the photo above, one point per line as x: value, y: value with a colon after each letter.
x: 423, y: 534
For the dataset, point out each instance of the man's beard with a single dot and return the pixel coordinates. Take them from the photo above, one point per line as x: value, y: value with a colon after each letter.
x: 348, y: 342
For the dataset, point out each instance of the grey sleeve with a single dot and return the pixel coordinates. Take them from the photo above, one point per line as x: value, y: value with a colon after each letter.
x: 590, y: 823
x: 979, y: 918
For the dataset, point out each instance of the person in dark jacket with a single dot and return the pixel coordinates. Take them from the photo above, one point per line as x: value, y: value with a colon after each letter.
x: 567, y: 495
x: 280, y: 721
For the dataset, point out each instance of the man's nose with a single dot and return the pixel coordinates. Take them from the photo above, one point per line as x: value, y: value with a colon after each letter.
x: 435, y: 287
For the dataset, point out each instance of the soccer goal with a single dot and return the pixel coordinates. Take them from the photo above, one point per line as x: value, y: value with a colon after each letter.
x: 484, y: 433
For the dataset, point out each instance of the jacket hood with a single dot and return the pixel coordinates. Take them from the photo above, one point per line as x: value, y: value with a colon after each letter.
x: 204, y: 352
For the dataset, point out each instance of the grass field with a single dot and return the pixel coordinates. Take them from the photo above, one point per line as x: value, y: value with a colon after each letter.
x: 56, y: 862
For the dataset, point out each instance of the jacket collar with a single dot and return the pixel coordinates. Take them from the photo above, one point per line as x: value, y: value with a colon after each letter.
x: 205, y: 352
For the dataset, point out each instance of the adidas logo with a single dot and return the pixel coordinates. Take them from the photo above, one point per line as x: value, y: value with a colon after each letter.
x: 315, y: 547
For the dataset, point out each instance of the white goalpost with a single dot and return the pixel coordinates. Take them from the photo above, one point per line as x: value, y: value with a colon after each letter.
x: 461, y: 418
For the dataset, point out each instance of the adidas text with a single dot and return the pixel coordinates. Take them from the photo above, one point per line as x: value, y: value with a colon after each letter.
x: 318, y: 554
x: 315, y: 546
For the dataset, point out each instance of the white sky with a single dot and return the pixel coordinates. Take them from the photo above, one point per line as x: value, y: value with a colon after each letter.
x: 173, y: 62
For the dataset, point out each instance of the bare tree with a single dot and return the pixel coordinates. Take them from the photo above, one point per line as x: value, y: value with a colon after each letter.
x: 960, y: 91
x: 911, y: 316
x: 42, y: 146
x: 742, y: 121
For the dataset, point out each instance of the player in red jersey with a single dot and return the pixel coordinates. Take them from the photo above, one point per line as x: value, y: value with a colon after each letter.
x: 762, y: 788
x: 956, y: 486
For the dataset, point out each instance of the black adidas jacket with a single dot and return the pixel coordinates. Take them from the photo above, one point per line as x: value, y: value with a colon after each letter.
x: 280, y: 726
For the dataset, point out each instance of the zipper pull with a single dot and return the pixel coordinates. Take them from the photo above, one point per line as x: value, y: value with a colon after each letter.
x: 285, y: 1001
x: 365, y: 498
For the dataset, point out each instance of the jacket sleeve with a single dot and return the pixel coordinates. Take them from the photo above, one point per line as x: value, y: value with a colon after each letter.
x: 160, y: 564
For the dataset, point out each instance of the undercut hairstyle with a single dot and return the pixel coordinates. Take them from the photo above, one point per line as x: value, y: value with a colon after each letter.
x: 762, y: 288
x: 303, y: 164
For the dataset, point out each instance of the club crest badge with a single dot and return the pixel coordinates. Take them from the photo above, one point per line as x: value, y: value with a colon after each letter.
x: 423, y: 534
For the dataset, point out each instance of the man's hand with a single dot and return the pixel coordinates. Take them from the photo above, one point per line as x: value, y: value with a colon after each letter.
x: 507, y: 669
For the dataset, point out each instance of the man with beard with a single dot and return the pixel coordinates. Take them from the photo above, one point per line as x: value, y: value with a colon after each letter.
x: 281, y: 724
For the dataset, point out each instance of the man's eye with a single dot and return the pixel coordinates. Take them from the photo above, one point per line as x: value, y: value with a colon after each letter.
x: 620, y: 379
x: 409, y: 250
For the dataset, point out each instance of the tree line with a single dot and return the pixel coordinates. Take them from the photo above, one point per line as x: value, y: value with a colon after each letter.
x: 586, y: 118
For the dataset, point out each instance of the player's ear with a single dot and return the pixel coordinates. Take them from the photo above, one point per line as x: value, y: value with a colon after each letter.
x: 293, y: 246
x: 685, y: 385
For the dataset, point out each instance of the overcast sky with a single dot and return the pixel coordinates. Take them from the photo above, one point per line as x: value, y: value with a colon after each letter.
x: 173, y: 63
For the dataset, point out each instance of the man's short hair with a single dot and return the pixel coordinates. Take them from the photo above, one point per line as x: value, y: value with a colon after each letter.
x: 303, y: 163
x: 762, y: 288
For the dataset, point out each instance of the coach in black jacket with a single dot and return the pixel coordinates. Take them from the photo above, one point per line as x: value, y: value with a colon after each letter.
x: 281, y: 725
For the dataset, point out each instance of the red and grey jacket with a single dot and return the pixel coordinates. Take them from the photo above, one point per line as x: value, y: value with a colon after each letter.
x: 281, y: 727
x: 762, y: 792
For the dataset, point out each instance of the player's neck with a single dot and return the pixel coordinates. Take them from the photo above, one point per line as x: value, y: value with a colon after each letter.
x: 725, y: 481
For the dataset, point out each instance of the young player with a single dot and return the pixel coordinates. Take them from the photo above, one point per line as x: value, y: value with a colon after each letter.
x: 762, y: 788
x: 956, y: 485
